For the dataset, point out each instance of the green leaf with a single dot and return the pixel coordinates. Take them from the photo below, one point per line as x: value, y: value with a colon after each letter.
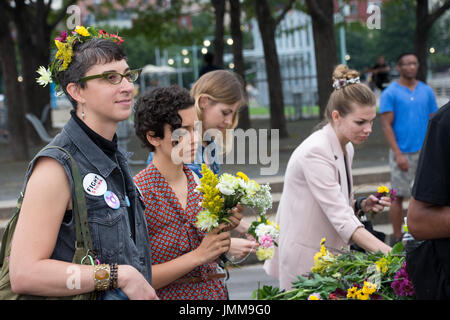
x: 397, y: 248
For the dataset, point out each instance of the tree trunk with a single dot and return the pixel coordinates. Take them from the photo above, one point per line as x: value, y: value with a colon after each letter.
x: 13, y: 92
x: 421, y: 38
x: 267, y: 25
x: 238, y: 57
x: 219, y: 8
x: 34, y: 52
x: 321, y: 12
x: 424, y: 22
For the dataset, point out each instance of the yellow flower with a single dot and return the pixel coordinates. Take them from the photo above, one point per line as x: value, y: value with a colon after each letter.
x: 64, y: 53
x: 82, y: 31
x: 314, y: 296
x: 212, y: 201
x: 361, y: 295
x: 242, y: 176
x: 351, y: 292
x: 322, y: 241
x: 383, y: 189
x: 369, y: 287
x: 264, y: 254
x: 382, y: 265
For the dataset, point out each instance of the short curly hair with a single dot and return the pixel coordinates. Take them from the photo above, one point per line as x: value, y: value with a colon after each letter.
x: 159, y: 106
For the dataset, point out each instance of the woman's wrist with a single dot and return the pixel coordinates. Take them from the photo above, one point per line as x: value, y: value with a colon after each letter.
x: 360, y: 204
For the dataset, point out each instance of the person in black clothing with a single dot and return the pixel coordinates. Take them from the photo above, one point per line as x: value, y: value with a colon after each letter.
x: 428, y: 216
x: 380, y: 73
x: 208, y: 58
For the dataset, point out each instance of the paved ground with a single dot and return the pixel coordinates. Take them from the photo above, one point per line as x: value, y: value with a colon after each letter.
x: 244, y: 281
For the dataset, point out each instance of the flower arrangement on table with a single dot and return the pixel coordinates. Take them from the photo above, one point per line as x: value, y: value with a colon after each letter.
x: 64, y: 43
x: 220, y: 194
x: 349, y: 275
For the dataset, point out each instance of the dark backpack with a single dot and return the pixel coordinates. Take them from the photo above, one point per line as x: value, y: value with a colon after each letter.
x: 83, y: 244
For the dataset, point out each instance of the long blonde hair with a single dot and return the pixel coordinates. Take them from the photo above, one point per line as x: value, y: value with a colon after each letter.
x: 221, y: 86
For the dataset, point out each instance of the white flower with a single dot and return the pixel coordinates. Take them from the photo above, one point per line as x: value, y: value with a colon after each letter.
x: 227, y: 184
x: 270, y: 229
x: 45, y: 76
x: 206, y: 221
x: 252, y: 188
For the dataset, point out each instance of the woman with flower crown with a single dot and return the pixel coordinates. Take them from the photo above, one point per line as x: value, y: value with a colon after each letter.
x: 91, y: 69
x: 317, y: 200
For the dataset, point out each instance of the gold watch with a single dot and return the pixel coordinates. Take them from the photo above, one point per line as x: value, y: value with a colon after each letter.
x: 102, y: 273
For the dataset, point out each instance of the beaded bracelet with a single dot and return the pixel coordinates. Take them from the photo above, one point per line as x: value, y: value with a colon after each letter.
x: 114, y: 275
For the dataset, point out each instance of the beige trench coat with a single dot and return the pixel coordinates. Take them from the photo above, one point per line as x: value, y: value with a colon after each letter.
x: 316, y: 203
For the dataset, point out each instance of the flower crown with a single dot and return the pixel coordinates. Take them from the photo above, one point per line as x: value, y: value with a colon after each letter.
x: 64, y: 43
x: 340, y: 83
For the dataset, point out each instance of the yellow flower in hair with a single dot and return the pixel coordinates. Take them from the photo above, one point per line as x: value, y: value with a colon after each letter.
x: 82, y: 31
x: 64, y: 53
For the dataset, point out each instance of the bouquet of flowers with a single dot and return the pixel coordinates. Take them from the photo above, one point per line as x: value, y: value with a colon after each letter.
x: 266, y: 234
x: 349, y: 275
x: 384, y: 191
x: 222, y: 194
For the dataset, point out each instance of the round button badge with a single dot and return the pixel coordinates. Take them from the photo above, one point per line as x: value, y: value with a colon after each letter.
x: 111, y: 200
x: 94, y: 184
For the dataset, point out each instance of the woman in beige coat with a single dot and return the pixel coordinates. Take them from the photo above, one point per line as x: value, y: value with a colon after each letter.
x: 317, y: 200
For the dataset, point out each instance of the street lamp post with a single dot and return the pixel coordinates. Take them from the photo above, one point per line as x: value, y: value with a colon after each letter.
x: 179, y: 71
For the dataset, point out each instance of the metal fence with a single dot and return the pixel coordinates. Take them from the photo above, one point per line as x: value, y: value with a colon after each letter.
x: 299, y: 83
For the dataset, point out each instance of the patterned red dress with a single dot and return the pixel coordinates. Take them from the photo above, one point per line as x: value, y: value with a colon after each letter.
x: 172, y: 233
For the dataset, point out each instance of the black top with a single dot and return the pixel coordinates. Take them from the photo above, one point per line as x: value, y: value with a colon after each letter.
x: 107, y: 146
x: 380, y: 77
x: 432, y: 182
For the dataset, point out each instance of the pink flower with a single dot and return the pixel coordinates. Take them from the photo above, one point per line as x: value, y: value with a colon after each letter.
x: 62, y: 36
x: 266, y: 241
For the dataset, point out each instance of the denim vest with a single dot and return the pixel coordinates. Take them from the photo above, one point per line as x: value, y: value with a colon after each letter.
x: 110, y: 230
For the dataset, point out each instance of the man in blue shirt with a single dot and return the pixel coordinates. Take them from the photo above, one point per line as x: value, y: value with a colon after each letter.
x: 406, y: 107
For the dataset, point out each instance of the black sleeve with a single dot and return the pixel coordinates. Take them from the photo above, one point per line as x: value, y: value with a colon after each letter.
x: 432, y: 182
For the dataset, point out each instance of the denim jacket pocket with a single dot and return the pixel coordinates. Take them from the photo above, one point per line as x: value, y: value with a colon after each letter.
x: 106, y: 226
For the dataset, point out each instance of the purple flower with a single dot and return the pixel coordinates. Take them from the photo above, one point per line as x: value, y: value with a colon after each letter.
x: 62, y: 36
x: 393, y: 193
x: 402, y: 285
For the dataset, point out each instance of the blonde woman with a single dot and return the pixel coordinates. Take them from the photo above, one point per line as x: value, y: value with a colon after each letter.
x: 218, y: 97
x: 317, y: 200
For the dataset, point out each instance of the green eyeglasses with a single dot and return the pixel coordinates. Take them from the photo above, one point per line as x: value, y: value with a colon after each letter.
x: 115, y: 77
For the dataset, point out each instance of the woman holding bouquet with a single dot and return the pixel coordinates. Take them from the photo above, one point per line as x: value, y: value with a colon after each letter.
x: 183, y: 256
x: 317, y: 200
x: 218, y: 96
